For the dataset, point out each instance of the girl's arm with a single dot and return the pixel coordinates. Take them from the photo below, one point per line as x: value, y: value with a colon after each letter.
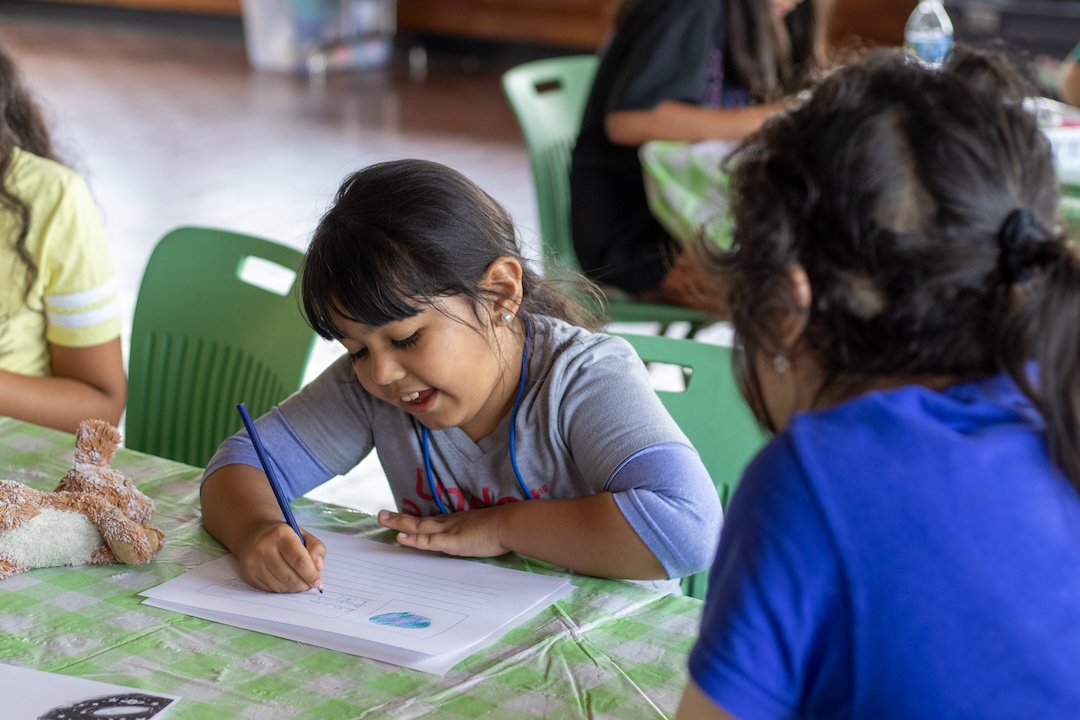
x: 1069, y: 83
x: 587, y: 534
x: 696, y: 706
x: 240, y: 511
x: 672, y: 120
x: 86, y: 382
x: 659, y: 517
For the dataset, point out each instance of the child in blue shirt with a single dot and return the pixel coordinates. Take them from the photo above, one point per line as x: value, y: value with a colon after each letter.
x: 908, y: 545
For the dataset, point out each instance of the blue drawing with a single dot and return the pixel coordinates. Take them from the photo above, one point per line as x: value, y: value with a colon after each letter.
x: 406, y: 620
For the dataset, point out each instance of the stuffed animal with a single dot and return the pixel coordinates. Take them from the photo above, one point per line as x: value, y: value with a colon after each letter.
x: 95, y: 516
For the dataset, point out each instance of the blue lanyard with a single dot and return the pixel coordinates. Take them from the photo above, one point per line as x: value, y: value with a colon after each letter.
x: 513, y: 422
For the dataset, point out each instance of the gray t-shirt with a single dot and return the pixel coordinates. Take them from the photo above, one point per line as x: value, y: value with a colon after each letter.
x: 589, y: 422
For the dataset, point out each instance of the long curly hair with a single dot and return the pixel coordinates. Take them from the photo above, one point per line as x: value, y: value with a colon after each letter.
x: 21, y: 126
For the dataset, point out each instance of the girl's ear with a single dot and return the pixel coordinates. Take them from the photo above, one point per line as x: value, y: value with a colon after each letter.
x: 503, y: 280
x: 793, y: 325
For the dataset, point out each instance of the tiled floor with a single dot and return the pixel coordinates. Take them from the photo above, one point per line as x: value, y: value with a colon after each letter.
x: 170, y: 126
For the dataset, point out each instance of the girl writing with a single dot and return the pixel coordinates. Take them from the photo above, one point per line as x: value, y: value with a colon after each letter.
x: 907, y: 545
x: 501, y: 426
x: 60, y: 356
x: 686, y: 70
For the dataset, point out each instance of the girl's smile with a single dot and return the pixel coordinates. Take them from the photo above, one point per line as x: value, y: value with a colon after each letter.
x: 420, y: 401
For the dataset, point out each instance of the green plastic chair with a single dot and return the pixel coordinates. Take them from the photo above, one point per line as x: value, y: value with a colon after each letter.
x: 216, y: 324
x: 548, y: 99
x: 710, y: 410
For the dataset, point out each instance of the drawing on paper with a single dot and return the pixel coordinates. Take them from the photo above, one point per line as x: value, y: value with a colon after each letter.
x: 134, y: 706
x: 401, y: 619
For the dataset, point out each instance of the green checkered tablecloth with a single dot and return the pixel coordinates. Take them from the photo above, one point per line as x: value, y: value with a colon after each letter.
x: 686, y: 188
x: 1070, y: 207
x: 607, y: 650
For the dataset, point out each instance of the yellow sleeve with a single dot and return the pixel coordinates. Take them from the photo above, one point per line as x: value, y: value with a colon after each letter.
x: 80, y: 295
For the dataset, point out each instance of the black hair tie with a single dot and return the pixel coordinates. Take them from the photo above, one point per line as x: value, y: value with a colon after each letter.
x: 1019, y: 240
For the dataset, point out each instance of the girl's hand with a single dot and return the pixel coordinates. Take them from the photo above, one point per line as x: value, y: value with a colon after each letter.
x: 473, y: 533
x: 588, y: 534
x: 276, y: 560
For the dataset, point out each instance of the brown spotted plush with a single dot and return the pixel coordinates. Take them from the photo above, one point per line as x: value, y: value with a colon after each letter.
x: 95, y: 516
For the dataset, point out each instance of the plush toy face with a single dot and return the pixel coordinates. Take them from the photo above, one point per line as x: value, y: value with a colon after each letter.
x: 95, y: 515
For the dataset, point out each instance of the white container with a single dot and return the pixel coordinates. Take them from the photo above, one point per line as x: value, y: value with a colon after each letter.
x: 928, y: 34
x: 316, y: 35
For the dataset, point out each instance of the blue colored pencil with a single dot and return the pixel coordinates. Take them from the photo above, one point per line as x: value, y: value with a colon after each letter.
x: 271, y: 475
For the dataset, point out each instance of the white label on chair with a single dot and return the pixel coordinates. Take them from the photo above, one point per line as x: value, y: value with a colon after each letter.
x: 267, y: 275
x: 667, y: 376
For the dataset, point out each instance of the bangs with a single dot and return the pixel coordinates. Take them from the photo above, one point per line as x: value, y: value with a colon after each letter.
x: 362, y: 276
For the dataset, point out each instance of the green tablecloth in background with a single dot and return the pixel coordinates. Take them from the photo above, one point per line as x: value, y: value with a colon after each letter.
x: 686, y: 189
x: 609, y: 649
x: 1070, y: 209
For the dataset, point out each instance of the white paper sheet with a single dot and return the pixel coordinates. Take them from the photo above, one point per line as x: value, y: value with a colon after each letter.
x: 52, y: 695
x: 386, y: 602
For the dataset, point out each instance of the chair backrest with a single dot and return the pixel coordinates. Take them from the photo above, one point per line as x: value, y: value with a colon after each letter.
x: 710, y: 411
x: 548, y: 98
x: 216, y: 324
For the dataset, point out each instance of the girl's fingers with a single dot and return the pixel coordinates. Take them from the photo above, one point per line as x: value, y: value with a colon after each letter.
x: 409, y: 524
x: 281, y: 579
x: 281, y: 563
x: 301, y: 561
x: 315, y: 549
x: 437, y: 542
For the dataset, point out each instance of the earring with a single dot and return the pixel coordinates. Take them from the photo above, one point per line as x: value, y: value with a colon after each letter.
x: 506, y: 318
x: 780, y: 364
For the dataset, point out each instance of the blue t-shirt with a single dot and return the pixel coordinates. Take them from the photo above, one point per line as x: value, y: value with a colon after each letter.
x: 907, y: 554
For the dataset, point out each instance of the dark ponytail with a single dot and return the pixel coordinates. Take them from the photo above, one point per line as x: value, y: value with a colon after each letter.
x: 1043, y: 324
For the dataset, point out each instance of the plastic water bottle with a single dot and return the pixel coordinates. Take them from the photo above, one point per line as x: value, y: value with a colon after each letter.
x: 928, y: 34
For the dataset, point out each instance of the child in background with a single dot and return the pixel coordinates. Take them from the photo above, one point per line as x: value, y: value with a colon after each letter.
x: 685, y: 70
x: 60, y: 355
x: 908, y: 545
x: 501, y: 425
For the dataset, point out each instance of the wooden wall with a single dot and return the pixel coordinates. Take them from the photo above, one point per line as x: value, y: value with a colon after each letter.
x: 580, y: 24
x: 585, y: 23
x: 209, y: 7
x: 571, y: 23
x: 868, y: 22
